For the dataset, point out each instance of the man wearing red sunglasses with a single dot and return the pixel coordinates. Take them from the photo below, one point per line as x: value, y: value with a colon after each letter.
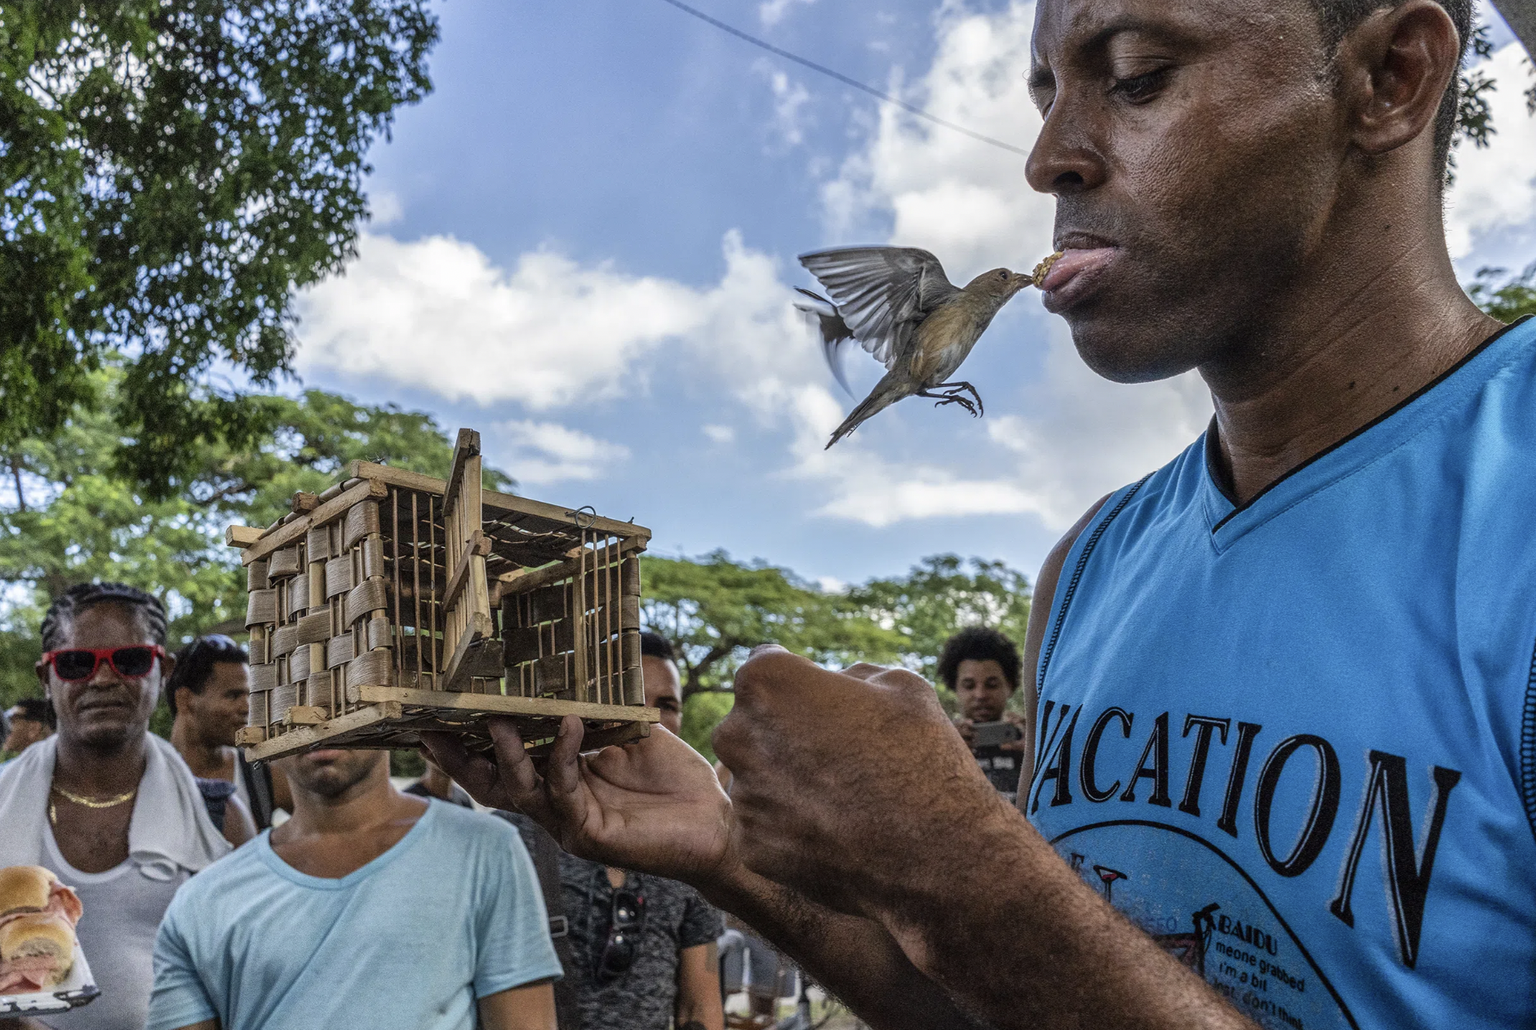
x: 110, y: 808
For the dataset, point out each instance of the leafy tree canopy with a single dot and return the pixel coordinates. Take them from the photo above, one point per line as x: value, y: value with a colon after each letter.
x: 716, y: 610
x: 66, y: 517
x: 939, y: 596
x: 1514, y: 298
x: 169, y: 173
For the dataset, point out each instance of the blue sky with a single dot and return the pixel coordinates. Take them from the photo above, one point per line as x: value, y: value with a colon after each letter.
x: 584, y: 243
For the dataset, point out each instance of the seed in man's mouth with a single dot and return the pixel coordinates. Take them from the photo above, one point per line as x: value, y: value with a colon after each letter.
x: 1043, y: 269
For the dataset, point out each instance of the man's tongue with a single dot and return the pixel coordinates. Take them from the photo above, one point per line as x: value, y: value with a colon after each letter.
x: 1072, y: 262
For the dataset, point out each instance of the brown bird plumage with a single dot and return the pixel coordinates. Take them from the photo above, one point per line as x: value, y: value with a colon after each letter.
x: 899, y: 305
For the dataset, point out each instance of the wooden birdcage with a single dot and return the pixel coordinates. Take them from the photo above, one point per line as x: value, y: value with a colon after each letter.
x: 395, y: 602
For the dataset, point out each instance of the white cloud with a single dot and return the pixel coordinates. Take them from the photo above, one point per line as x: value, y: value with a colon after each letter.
x: 789, y: 98
x: 965, y: 200
x: 437, y: 314
x: 771, y: 12
x: 547, y: 452
x: 385, y: 208
x: 720, y: 434
x: 1496, y: 186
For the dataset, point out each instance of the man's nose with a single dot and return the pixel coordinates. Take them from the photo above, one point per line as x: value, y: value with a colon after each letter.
x: 105, y: 675
x: 1064, y: 158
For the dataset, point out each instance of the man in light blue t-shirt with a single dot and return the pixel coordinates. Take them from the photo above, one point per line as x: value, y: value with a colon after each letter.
x: 367, y: 908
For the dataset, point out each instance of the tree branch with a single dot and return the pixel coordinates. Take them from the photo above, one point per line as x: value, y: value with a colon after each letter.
x: 21, y: 497
x: 697, y: 669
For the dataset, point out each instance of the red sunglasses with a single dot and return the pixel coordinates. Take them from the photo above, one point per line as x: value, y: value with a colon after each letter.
x: 80, y: 663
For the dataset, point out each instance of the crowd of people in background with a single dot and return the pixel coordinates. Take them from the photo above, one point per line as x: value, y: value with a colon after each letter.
x: 312, y: 891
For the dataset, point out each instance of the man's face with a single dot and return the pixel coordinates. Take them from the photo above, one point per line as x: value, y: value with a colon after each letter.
x: 1195, y: 151
x: 329, y: 773
x: 105, y: 710
x: 24, y: 732
x: 215, y: 714
x: 663, y: 690
x: 982, y: 690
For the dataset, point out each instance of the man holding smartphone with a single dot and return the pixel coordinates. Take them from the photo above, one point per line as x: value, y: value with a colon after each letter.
x: 982, y: 667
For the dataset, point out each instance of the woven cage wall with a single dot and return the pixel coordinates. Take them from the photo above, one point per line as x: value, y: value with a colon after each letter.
x: 318, y: 617
x: 395, y: 603
x: 577, y: 637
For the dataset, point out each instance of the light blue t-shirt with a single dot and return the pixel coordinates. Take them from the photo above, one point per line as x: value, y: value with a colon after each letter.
x: 1295, y: 740
x: 450, y: 914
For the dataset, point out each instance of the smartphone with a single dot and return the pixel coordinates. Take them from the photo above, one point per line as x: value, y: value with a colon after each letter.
x: 991, y: 734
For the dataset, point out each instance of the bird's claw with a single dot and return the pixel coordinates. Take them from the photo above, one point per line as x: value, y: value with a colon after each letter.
x: 957, y: 398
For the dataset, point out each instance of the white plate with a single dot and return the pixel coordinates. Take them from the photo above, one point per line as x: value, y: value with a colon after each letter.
x: 78, y: 988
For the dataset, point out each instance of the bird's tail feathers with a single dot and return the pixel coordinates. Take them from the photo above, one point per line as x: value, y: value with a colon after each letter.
x: 822, y: 316
x: 890, y: 389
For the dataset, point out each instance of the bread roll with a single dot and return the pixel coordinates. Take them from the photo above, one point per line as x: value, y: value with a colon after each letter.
x: 24, y: 888
x: 43, y: 945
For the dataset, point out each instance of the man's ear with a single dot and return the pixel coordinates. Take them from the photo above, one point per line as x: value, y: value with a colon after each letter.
x: 1392, y: 71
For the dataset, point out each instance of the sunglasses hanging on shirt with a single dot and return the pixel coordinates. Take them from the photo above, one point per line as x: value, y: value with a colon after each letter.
x: 626, y: 920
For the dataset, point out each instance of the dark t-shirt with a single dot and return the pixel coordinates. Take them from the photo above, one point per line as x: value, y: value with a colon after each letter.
x: 1001, y: 767
x: 676, y: 917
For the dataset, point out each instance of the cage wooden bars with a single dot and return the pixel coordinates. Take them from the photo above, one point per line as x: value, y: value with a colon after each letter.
x: 394, y: 603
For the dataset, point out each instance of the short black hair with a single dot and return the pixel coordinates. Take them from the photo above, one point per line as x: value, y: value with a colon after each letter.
x: 87, y: 595
x: 195, y: 662
x: 35, y: 709
x: 1339, y: 17
x: 979, y: 644
x: 654, y: 645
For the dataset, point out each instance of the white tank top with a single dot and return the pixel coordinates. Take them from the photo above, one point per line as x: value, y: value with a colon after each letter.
x: 122, y: 910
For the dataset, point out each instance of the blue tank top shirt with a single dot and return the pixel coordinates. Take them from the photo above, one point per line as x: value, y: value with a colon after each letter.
x: 1295, y: 740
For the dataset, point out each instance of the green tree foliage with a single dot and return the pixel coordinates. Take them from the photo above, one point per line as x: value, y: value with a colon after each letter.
x: 65, y: 517
x: 716, y: 610
x: 940, y: 595
x: 1514, y: 298
x: 169, y: 174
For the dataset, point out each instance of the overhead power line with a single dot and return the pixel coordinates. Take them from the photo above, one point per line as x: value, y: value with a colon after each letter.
x: 845, y: 80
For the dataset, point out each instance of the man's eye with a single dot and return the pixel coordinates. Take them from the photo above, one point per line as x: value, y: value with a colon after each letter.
x: 1140, y: 87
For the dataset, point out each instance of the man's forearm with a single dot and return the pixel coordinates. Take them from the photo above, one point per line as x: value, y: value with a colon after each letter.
x: 855, y: 959
x: 1057, y: 955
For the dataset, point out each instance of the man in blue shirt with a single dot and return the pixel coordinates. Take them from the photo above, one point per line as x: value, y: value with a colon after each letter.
x: 367, y: 908
x: 1286, y: 762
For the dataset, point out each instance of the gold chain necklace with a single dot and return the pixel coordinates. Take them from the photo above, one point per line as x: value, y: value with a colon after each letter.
x: 112, y: 802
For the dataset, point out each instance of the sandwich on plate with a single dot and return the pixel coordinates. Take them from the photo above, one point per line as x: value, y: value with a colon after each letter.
x: 37, y: 929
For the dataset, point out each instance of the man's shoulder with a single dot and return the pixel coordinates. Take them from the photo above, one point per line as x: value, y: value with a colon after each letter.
x: 465, y: 831
x: 224, y: 879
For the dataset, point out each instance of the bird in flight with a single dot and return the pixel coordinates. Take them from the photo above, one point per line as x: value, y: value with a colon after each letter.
x: 901, y: 308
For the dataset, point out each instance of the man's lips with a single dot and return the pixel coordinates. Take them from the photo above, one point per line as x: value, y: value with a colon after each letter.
x: 1073, y: 262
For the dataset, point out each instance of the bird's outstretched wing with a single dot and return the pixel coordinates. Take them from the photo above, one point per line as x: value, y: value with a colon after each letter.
x: 881, y: 293
x: 834, y: 332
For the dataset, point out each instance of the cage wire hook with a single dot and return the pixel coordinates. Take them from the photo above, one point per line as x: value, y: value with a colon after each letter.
x: 584, y: 517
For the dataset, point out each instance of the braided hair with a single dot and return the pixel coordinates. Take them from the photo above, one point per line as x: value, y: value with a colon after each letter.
x: 77, y: 598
